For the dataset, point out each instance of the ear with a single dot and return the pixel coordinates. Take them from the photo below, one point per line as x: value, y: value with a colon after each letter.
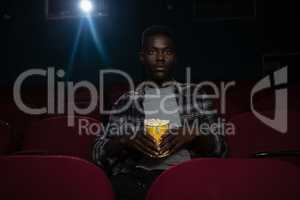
x: 141, y: 56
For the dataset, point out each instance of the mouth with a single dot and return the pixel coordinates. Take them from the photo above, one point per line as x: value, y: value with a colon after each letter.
x: 160, y: 69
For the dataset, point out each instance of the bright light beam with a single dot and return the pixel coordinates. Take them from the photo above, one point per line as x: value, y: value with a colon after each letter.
x: 86, y: 6
x: 74, y: 50
x: 98, y: 43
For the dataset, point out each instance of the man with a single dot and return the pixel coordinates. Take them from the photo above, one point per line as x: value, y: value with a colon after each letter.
x: 128, y: 154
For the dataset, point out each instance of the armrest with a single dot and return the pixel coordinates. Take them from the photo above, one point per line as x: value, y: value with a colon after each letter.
x: 30, y: 152
x: 268, y: 154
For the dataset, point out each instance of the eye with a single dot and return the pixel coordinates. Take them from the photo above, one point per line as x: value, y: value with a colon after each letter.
x: 169, y: 52
x: 150, y: 52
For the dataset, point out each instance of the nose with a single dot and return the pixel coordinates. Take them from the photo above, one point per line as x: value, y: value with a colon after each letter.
x: 160, y: 56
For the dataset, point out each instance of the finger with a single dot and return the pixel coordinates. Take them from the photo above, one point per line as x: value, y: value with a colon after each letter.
x: 166, y: 136
x: 146, y: 141
x: 167, y: 140
x: 146, y: 149
x: 139, y: 148
x: 169, y: 144
x: 175, y: 145
x: 148, y: 136
x: 165, y: 148
x: 172, y: 133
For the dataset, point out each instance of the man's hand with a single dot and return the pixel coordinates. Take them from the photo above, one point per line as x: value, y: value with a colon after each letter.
x: 175, y: 139
x: 143, y: 143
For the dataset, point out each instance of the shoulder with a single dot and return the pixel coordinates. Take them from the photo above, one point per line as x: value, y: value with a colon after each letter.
x: 128, y: 96
x: 192, y: 88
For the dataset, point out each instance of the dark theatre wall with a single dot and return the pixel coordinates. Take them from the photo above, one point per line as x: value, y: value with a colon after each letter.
x: 214, y: 49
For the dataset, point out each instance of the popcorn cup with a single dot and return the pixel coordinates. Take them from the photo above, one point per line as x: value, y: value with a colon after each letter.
x: 156, y: 128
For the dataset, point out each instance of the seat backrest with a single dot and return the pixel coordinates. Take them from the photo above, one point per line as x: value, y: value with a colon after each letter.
x: 5, y: 137
x: 116, y: 91
x: 265, y: 99
x: 228, y: 179
x: 52, y: 177
x: 252, y: 135
x: 238, y: 97
x: 53, y: 136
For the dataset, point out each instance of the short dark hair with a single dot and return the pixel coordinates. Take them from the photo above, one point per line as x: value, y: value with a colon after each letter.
x: 156, y: 30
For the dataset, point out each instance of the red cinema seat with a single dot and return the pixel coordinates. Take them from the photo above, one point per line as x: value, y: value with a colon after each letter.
x: 5, y: 137
x: 52, y: 177
x: 228, y: 179
x: 53, y: 136
x: 253, y: 137
x: 238, y: 97
x: 115, y: 92
x: 265, y: 100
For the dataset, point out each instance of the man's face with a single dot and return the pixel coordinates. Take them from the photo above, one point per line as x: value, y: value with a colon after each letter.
x: 159, y: 57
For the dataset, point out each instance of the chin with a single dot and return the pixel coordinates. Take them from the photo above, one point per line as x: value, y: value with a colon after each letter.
x: 159, y: 75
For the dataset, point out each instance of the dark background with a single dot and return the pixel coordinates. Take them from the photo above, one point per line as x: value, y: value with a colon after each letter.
x: 216, y: 45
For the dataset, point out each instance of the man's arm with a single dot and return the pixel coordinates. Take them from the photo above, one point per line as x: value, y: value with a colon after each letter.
x: 116, y: 145
x: 200, y: 131
x: 199, y: 143
x: 108, y: 148
x: 210, y: 140
x: 106, y: 152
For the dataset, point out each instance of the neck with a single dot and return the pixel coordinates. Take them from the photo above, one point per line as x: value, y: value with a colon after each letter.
x: 161, y: 83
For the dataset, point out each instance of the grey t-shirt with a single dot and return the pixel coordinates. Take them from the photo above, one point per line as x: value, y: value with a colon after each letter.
x: 161, y: 104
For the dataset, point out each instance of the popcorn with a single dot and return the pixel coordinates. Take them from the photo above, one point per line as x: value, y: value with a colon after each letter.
x: 156, y: 122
